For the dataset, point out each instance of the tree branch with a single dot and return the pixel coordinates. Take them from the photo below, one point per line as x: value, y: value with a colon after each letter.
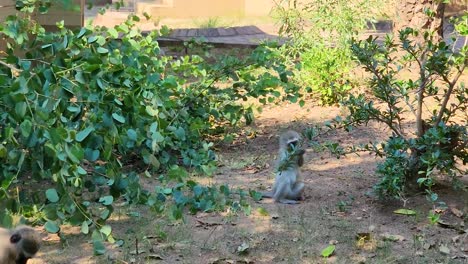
x: 11, y: 67
x: 448, y: 94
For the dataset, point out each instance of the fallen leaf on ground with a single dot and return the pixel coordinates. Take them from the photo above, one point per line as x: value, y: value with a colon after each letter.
x: 154, y: 256
x: 328, y: 251
x: 262, y: 211
x: 456, y: 212
x: 405, y: 212
x: 140, y: 251
x: 243, y: 248
x: 245, y: 261
x: 363, y: 236
x: 202, y: 223
x: 251, y: 169
x: 444, y: 249
x: 393, y: 238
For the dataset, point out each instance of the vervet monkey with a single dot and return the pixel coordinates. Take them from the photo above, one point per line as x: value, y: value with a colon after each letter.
x: 288, y: 186
x: 18, y: 245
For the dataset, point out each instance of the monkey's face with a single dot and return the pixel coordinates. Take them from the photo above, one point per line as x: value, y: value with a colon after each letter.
x: 26, y: 242
x: 292, y: 145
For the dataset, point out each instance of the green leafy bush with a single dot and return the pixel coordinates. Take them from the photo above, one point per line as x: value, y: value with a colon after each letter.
x: 84, y: 114
x: 434, y: 98
x: 320, y: 34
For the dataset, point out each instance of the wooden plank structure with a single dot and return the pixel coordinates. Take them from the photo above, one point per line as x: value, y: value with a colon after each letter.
x: 73, y: 16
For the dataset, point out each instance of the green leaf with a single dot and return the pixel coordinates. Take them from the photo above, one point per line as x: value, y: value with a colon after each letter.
x: 106, y: 200
x: 72, y: 154
x: 81, y: 171
x: 83, y: 134
x: 102, y: 50
x: 328, y: 251
x: 405, y: 212
x: 98, y: 247
x: 81, y: 33
x: 262, y: 211
x: 26, y: 128
x: 301, y: 103
x: 106, y: 230
x: 52, y: 195
x: 84, y: 227
x: 118, y: 118
x: 92, y: 39
x: 132, y: 134
x: 3, y: 151
x: 20, y: 109
x: 113, y: 33
x: 92, y: 154
x: 51, y: 227
x: 167, y: 191
x: 105, y: 214
x: 79, y: 77
x: 154, y: 161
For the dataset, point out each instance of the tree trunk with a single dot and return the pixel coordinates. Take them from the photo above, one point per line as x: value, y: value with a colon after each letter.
x: 412, y: 176
x: 411, y: 13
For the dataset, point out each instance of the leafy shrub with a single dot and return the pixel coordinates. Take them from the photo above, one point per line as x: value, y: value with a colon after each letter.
x: 85, y: 113
x: 320, y: 35
x: 325, y: 70
x: 439, y: 144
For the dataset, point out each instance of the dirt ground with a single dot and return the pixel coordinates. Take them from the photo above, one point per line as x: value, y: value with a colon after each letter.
x: 339, y: 208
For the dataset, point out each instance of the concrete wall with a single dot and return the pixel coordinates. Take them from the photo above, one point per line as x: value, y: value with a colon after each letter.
x: 258, y: 7
x: 206, y: 8
x: 193, y: 8
x: 211, y: 8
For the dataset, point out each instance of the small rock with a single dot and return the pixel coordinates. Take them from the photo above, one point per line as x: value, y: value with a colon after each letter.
x: 444, y: 250
x: 393, y: 238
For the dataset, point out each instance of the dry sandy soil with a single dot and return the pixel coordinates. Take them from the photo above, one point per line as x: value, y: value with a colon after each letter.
x: 339, y: 208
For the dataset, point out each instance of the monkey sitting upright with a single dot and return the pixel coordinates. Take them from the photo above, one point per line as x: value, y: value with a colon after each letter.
x: 18, y: 245
x: 288, y: 186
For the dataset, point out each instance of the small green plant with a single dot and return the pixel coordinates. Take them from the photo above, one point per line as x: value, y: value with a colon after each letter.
x: 433, y: 217
x: 345, y: 204
x: 211, y: 22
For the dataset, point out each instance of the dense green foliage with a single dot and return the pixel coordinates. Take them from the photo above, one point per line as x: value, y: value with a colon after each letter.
x: 84, y: 114
x: 320, y: 34
x: 441, y: 133
x: 434, y: 141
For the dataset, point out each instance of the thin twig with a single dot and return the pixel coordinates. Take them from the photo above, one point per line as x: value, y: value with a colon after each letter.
x: 11, y: 67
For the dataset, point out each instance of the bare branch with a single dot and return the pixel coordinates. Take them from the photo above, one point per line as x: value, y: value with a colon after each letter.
x: 449, y: 93
x: 11, y: 67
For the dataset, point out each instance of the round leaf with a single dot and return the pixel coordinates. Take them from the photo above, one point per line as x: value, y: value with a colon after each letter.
x: 52, y: 195
x: 51, y: 227
x: 118, y: 118
x: 106, y: 200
